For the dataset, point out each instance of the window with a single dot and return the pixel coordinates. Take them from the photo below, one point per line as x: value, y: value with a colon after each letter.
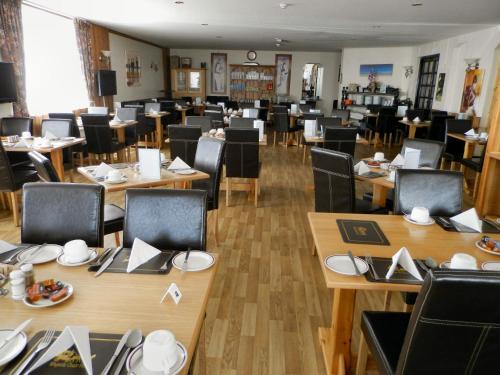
x: 54, y: 77
x: 426, y: 81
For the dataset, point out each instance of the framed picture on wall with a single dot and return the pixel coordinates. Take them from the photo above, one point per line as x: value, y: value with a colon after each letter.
x: 440, y: 87
x: 219, y: 73
x: 283, y: 73
x: 186, y: 62
x: 472, y: 89
x: 133, y: 68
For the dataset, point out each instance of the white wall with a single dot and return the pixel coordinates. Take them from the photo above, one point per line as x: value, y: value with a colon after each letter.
x: 151, y: 81
x: 6, y: 110
x: 329, y: 60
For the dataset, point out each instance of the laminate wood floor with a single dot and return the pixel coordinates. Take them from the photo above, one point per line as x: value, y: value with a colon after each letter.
x: 269, y: 297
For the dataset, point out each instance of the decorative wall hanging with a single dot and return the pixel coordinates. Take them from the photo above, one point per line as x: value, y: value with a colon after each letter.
x: 219, y: 73
x: 283, y: 73
x: 133, y: 69
x: 440, y: 87
x: 378, y: 69
x: 472, y: 89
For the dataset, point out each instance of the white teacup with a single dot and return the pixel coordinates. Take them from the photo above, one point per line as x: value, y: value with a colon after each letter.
x: 212, y: 132
x: 159, y: 351
x: 114, y: 175
x: 405, y: 118
x: 463, y: 261
x: 392, y: 176
x: 379, y: 156
x: 416, y: 120
x: 419, y: 214
x: 26, y: 135
x: 76, y: 251
x: 483, y: 135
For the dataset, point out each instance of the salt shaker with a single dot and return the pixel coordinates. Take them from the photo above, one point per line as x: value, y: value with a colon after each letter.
x: 29, y: 275
x: 17, y: 284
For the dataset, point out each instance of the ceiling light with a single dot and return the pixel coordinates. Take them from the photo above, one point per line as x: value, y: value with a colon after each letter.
x: 204, y: 24
x: 179, y: 2
x: 284, y: 5
x: 218, y: 37
x: 417, y: 4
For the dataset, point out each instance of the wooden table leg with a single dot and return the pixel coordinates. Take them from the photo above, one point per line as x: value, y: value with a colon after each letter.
x: 120, y: 132
x: 56, y: 156
x: 376, y: 139
x: 159, y: 133
x: 468, y: 153
x: 379, y: 195
x: 183, y: 117
x: 291, y: 138
x: 411, y: 132
x: 335, y: 341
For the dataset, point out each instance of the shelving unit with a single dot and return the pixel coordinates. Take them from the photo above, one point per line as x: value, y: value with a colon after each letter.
x: 251, y: 82
x: 352, y: 95
x: 188, y: 82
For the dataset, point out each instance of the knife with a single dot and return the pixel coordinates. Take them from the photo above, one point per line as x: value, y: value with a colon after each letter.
x: 108, y: 261
x: 351, y: 257
x: 185, y: 264
x: 15, y: 332
x: 117, y: 352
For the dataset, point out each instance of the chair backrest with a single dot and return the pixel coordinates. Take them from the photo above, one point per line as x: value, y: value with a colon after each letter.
x: 458, y: 126
x: 441, y: 192
x: 252, y: 113
x: 15, y: 126
x: 340, y: 139
x: 213, y: 107
x: 6, y: 174
x: 386, y: 120
x: 167, y: 219
x: 217, y: 117
x: 60, y: 212
x: 342, y: 113
x: 127, y: 113
x: 453, y: 309
x: 430, y: 151
x: 241, y: 123
x: 204, y: 121
x: 209, y: 157
x: 187, y: 99
x: 233, y: 104
x: 422, y: 114
x: 281, y: 122
x: 329, y: 121
x: 280, y: 109
x: 242, y: 153
x: 97, y: 110
x: 59, y: 127
x: 44, y: 167
x: 264, y: 103
x: 305, y: 107
x: 437, y: 130
x: 183, y: 142
x: 167, y: 105
x: 75, y: 132
x: 313, y: 116
x: 333, y: 181
x: 98, y: 133
x: 455, y: 146
x: 148, y: 107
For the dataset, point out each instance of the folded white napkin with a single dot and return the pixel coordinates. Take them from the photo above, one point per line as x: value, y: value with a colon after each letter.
x: 50, y: 135
x: 116, y: 118
x: 5, y: 246
x: 404, y: 259
x: 259, y: 124
x: 417, y: 119
x: 102, y: 170
x: 469, y: 219
x: 140, y: 254
x: 177, y: 164
x: 361, y: 168
x: 21, y: 144
x: 358, y: 137
x: 412, y: 158
x: 398, y: 160
x: 72, y: 335
x: 310, y: 128
x: 294, y: 108
x: 470, y: 132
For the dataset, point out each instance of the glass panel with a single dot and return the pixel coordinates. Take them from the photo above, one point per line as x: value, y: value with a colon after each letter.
x: 181, y: 81
x: 194, y: 81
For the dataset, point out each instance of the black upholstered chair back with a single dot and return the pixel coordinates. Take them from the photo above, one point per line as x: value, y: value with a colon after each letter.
x: 98, y: 133
x: 167, y: 105
x: 216, y: 117
x: 305, y: 107
x: 313, y: 116
x: 386, y: 120
x: 281, y: 122
x: 15, y: 126
x: 242, y: 153
x: 430, y: 151
x: 75, y: 132
x: 453, y: 310
x: 455, y: 147
x: 145, y: 125
x: 458, y: 126
x: 59, y: 212
x: 209, y: 156
x: 127, y: 114
x: 342, y: 113
x: 422, y: 114
x: 6, y: 174
x: 232, y: 104
x: 183, y: 142
x: 204, y: 122
x: 280, y: 109
x: 329, y: 121
x: 168, y: 219
x: 333, y: 181
x: 437, y: 130
x: 59, y: 127
x: 43, y: 167
x: 241, y: 123
x: 340, y: 139
x: 215, y: 108
x: 441, y: 192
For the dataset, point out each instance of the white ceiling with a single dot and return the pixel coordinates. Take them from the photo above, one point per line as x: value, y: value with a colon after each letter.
x: 306, y: 25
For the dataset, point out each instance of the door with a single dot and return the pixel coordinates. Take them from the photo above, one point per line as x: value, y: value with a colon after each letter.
x: 426, y: 81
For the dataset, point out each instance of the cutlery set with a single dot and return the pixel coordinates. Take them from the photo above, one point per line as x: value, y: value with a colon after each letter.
x: 43, y: 344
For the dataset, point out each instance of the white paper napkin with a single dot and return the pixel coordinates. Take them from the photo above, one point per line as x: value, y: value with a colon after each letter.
x: 398, y: 160
x: 294, y: 108
x: 5, y: 246
x: 177, y: 164
x: 470, y: 132
x: 404, y: 259
x: 140, y: 254
x: 259, y: 124
x: 310, y: 128
x: 469, y: 219
x: 411, y: 158
x: 102, y: 170
x: 361, y: 168
x: 417, y: 119
x: 358, y: 137
x: 116, y: 118
x: 21, y: 144
x: 77, y: 335
x: 49, y: 135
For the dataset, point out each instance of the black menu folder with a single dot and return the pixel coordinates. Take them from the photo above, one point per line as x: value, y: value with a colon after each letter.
x: 400, y: 275
x: 362, y: 232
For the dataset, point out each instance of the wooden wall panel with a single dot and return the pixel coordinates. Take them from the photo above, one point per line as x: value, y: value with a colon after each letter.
x: 100, y: 40
x: 166, y: 73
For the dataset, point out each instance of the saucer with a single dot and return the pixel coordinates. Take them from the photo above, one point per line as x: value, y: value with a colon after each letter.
x: 490, y: 266
x: 92, y: 255
x: 197, y: 261
x: 185, y: 171
x: 13, y: 348
x: 120, y: 181
x: 135, y: 366
x: 342, y: 264
x: 410, y: 220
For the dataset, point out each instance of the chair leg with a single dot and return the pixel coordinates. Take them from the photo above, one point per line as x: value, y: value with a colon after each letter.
x: 442, y: 164
x: 476, y: 184
x: 286, y: 141
x: 304, y: 153
x: 228, y: 190
x: 216, y: 226
x: 274, y: 143
x: 362, y: 356
x: 117, y: 239
x: 15, y: 207
x: 387, y: 300
x: 256, y: 191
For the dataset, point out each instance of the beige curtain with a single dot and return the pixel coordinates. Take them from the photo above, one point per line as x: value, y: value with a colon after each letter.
x: 12, y: 49
x: 83, y: 31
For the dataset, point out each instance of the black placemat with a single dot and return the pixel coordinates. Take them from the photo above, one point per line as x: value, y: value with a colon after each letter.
x: 102, y: 347
x: 151, y: 267
x: 364, y: 232
x: 400, y: 275
x: 451, y: 226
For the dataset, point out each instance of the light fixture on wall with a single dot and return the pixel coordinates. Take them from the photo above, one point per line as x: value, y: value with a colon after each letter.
x: 106, y: 56
x: 472, y: 64
x: 154, y: 66
x: 408, y: 71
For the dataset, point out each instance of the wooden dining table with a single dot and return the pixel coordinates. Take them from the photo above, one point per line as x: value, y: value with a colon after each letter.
x: 413, y: 126
x: 120, y: 127
x: 421, y: 241
x: 159, y: 126
x: 470, y: 143
x: 116, y: 302
x: 183, y: 111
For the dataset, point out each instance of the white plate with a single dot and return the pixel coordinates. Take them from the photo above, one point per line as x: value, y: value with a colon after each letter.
x: 63, y: 262
x: 478, y: 245
x: 13, y: 348
x: 68, y: 138
x: 409, y: 219
x: 342, y: 264
x: 446, y: 265
x: 135, y: 366
x: 47, y: 302
x: 490, y: 266
x: 121, y: 181
x: 197, y: 261
x: 47, y: 253
x: 186, y: 171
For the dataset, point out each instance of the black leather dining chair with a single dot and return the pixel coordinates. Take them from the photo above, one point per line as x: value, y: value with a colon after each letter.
x: 430, y: 151
x: 113, y: 215
x: 342, y: 113
x: 99, y: 135
x: 242, y: 158
x: 281, y: 124
x: 475, y: 163
x: 340, y: 139
x: 60, y: 212
x: 437, y: 130
x: 452, y: 330
x: 280, y: 109
x: 454, y: 151
x: 422, y: 114
x: 208, y: 159
x: 167, y: 219
x: 216, y: 116
x: 387, y: 124
x: 131, y: 136
x: 16, y: 126
x: 205, y: 122
x: 146, y: 127
x: 323, y: 122
x: 184, y: 142
x: 241, y: 123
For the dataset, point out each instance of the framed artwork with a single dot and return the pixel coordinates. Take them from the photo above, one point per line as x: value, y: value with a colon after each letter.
x: 472, y: 89
x: 377, y: 69
x: 133, y: 68
x: 219, y: 73
x: 283, y: 73
x: 440, y: 87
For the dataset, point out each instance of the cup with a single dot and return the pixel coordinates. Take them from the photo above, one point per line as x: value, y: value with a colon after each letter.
x: 463, y: 261
x: 419, y: 214
x: 212, y: 132
x: 159, y: 351
x: 379, y: 156
x: 405, y: 118
x: 114, y: 175
x: 26, y: 135
x: 76, y: 251
x: 220, y: 131
x: 392, y: 176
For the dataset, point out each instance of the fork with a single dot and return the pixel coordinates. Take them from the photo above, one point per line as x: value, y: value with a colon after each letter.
x: 12, y: 258
x: 44, y: 343
x: 369, y: 260
x: 165, y: 265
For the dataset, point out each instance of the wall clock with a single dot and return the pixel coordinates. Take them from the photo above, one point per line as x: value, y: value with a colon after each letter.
x: 251, y: 55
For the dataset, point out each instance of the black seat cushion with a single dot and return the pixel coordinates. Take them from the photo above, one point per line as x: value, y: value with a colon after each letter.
x: 113, y: 218
x: 22, y: 176
x: 365, y: 207
x: 473, y: 163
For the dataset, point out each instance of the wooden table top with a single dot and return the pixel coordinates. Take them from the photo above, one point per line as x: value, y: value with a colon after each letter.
x: 136, y: 181
x: 421, y: 241
x: 156, y: 115
x: 122, y: 124
x: 116, y: 302
x: 421, y: 124
x: 261, y: 143
x: 309, y: 139
x: 462, y: 137
x: 55, y: 145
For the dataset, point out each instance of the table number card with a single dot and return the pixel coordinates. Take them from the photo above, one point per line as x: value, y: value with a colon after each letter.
x: 412, y: 158
x: 150, y: 163
x: 174, y: 292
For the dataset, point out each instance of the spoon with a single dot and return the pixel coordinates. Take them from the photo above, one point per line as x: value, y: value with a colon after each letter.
x: 133, y: 340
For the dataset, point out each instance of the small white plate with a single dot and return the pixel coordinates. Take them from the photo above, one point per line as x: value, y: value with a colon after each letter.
x: 121, y: 181
x: 135, y: 366
x: 47, y: 253
x: 480, y: 247
x: 13, y: 348
x: 68, y: 138
x: 342, y: 264
x: 197, y: 261
x: 410, y: 220
x: 186, y: 171
x: 62, y: 261
x: 47, y: 302
x: 490, y: 266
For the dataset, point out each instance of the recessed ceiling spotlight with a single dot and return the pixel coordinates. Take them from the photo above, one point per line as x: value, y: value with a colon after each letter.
x: 284, y: 5
x: 219, y: 37
x: 179, y: 2
x: 417, y: 4
x: 204, y: 24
